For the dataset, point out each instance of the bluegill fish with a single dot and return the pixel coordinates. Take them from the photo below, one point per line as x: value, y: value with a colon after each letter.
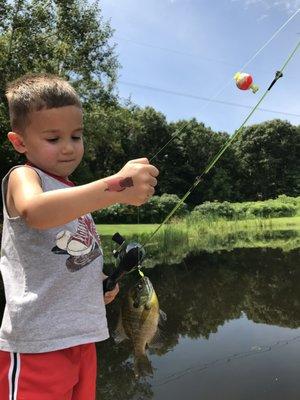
x: 139, y: 321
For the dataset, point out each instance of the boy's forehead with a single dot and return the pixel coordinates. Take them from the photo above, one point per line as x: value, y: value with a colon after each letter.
x: 54, y: 119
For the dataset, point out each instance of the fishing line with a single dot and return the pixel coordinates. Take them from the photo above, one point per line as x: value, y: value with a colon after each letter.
x: 207, y: 58
x: 225, y: 360
x: 214, y: 160
x: 269, y: 41
x: 229, y: 82
x: 206, y: 99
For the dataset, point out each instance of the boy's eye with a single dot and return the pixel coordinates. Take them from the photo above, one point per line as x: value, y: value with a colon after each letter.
x: 53, y: 140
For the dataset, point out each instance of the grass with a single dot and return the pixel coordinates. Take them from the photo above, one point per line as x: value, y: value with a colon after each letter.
x: 126, y: 230
x: 130, y: 230
x: 175, y: 240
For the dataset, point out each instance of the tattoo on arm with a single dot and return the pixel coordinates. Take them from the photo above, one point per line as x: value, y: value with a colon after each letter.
x: 118, y: 184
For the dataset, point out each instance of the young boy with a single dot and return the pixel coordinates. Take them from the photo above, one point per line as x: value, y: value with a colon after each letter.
x: 51, y: 256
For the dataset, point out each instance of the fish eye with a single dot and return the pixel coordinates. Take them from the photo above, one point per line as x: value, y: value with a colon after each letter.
x: 140, y: 286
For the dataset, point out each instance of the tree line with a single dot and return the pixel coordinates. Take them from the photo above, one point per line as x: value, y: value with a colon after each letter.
x: 71, y: 39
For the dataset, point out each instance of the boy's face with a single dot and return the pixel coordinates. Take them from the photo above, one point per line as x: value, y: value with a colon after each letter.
x: 52, y: 140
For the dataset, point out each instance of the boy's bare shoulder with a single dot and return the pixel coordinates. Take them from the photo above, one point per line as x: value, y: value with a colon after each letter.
x: 21, y: 180
x: 23, y: 173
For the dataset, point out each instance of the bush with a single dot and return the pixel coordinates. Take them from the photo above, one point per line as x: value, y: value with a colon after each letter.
x: 283, y: 206
x: 271, y: 208
x: 154, y: 211
x: 215, y: 210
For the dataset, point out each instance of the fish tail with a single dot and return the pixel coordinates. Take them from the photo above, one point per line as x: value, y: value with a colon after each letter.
x: 142, y: 366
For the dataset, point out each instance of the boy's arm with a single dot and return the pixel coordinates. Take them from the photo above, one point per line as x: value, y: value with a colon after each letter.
x: 44, y: 210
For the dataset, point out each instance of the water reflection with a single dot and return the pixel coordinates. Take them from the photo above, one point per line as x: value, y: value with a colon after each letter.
x: 199, y: 296
x: 230, y: 313
x: 171, y: 245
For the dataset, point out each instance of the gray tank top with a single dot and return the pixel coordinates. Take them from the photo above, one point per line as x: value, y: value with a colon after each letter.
x: 52, y: 280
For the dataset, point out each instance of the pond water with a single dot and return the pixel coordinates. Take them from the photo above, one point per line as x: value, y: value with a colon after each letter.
x: 232, y: 331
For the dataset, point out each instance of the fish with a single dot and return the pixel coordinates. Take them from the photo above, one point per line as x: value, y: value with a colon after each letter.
x: 139, y: 321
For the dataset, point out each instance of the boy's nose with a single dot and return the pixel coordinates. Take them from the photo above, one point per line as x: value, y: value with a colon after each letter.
x: 67, y: 147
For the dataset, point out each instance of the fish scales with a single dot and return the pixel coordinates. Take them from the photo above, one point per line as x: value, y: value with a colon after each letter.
x: 140, y: 324
x: 138, y: 321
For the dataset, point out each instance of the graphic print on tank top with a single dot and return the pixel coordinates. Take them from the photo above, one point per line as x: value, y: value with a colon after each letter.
x: 83, y: 246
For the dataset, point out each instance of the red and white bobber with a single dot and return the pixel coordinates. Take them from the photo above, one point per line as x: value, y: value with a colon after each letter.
x: 244, y: 81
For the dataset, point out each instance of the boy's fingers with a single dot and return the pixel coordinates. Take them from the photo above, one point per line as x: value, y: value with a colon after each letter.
x: 151, y: 192
x: 153, y: 171
x: 149, y: 168
x: 142, y: 160
x: 109, y: 296
x: 152, y: 181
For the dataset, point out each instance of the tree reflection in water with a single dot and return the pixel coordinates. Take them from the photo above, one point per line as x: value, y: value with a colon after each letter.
x: 199, y: 295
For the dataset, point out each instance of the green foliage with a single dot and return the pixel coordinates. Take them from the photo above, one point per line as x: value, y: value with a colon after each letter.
x: 269, y: 160
x: 271, y: 209
x: 66, y: 38
x: 295, y: 201
x: 61, y: 37
x: 157, y: 208
x: 195, y: 146
x: 283, y: 206
x: 215, y: 210
x: 72, y: 39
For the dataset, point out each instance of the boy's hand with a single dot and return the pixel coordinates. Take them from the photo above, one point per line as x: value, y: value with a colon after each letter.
x: 135, y: 182
x: 110, y: 296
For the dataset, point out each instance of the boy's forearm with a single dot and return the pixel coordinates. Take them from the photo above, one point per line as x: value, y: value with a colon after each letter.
x: 58, y: 207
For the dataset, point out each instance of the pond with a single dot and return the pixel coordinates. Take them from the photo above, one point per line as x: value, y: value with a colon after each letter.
x: 232, y: 331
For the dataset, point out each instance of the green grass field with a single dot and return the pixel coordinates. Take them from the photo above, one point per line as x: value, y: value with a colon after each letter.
x: 175, y: 240
x: 288, y: 223
x: 126, y: 230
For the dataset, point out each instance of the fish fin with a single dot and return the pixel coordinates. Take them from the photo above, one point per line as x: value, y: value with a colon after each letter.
x: 119, y: 333
x: 142, y: 366
x: 157, y: 341
x: 162, y: 318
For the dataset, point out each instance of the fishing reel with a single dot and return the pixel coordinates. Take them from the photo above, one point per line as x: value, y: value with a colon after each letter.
x: 128, y: 256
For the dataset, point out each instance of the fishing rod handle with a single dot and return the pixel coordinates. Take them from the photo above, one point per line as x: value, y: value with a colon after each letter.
x: 108, y: 284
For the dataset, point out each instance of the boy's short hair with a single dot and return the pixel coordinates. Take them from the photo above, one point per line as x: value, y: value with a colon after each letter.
x: 34, y: 92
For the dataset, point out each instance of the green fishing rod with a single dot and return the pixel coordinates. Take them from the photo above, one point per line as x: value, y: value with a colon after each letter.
x: 213, y: 161
x: 129, y: 256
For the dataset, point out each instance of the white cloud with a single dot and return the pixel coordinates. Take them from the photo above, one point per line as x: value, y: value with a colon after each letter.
x: 290, y: 6
x: 262, y: 17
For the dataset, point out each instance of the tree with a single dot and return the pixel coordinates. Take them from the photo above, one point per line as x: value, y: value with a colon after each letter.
x: 269, y: 160
x: 148, y: 133
x: 105, y: 154
x: 196, y: 146
x: 68, y: 38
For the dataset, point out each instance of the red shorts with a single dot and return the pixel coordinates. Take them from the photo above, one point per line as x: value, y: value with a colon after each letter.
x: 68, y: 374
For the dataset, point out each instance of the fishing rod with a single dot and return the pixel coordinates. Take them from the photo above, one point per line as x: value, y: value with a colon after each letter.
x: 130, y: 255
x: 242, y: 68
x: 213, y: 161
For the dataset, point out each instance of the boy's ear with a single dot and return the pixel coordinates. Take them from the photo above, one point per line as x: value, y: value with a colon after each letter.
x: 17, y: 141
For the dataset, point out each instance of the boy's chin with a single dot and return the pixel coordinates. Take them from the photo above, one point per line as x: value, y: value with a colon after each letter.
x: 61, y: 168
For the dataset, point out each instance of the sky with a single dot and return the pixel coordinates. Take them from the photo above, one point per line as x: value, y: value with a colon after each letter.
x: 180, y: 56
